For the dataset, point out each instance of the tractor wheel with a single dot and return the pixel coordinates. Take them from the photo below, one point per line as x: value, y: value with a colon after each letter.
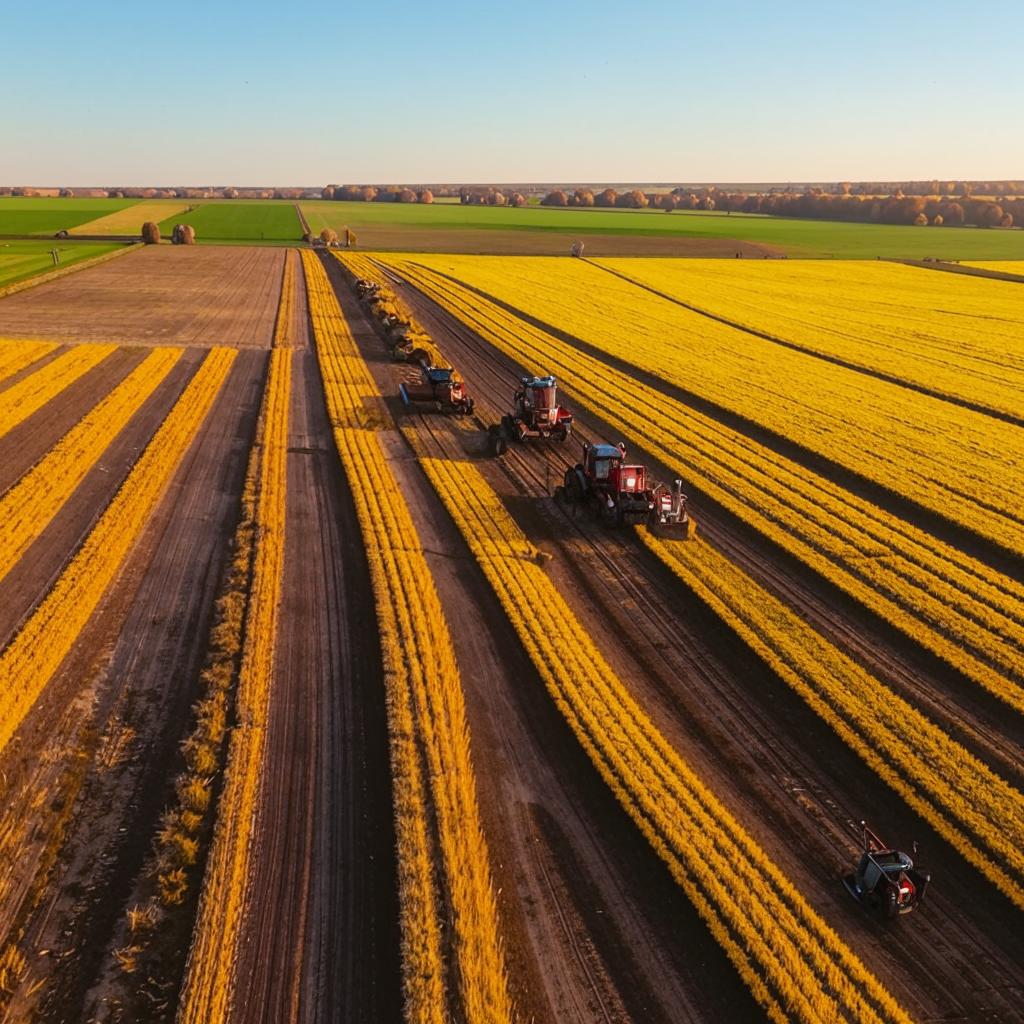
x: 563, y: 434
x: 508, y: 426
x: 498, y: 444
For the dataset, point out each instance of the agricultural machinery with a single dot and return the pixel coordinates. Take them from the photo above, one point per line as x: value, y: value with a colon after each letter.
x: 885, y: 879
x: 620, y: 494
x: 535, y: 413
x: 366, y: 289
x: 441, y: 386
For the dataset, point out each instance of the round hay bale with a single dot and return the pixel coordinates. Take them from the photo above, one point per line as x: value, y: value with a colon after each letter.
x: 150, y: 233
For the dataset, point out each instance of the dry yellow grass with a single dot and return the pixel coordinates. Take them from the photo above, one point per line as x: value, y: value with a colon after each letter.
x: 30, y: 660
x: 129, y: 221
x: 797, y: 968
x: 208, y: 988
x: 28, y: 507
x: 452, y: 969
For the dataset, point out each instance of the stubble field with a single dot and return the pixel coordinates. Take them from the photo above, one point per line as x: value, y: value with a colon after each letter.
x: 314, y: 710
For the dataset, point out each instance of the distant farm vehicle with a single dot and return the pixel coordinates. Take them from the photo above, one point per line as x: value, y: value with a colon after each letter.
x: 885, y: 879
x: 440, y: 386
x: 535, y: 413
x: 621, y: 494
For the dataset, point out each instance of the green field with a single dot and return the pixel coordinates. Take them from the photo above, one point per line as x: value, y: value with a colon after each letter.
x: 240, y: 220
x: 30, y: 216
x: 21, y: 260
x: 446, y: 227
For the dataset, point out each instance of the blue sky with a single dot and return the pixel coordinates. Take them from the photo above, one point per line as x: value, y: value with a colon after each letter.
x: 182, y: 93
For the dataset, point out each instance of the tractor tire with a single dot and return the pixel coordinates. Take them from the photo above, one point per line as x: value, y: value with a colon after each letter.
x: 498, y: 445
x: 508, y: 426
x: 563, y: 434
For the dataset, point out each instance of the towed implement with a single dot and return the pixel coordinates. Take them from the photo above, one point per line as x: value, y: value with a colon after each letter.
x: 885, y: 879
x: 535, y: 413
x: 620, y: 494
x: 441, y: 386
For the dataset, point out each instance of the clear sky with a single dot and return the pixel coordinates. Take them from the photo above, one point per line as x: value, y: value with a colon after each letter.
x: 213, y: 93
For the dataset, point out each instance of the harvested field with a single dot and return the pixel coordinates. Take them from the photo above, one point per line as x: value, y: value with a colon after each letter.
x: 129, y: 221
x: 158, y: 295
x: 314, y: 710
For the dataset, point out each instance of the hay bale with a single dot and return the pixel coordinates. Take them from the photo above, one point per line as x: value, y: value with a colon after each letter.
x: 150, y: 233
x: 329, y: 236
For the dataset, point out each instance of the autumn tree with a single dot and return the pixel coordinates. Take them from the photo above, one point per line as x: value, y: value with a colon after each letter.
x: 555, y: 198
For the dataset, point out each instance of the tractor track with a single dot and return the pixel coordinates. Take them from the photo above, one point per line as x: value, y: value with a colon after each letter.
x: 806, y: 790
x: 595, y: 928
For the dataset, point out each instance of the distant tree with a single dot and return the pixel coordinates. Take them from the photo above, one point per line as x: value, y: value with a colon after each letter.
x: 921, y: 220
x: 368, y: 194
x: 583, y: 197
x: 328, y: 191
x: 606, y: 198
x: 937, y: 220
x: 230, y: 193
x: 517, y: 199
x: 555, y: 198
x: 707, y: 203
x: 495, y: 198
x: 667, y: 202
x: 1007, y: 221
x: 406, y: 195
x: 426, y: 196
x: 988, y: 215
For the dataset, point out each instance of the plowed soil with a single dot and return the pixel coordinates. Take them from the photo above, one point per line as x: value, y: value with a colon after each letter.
x: 157, y: 295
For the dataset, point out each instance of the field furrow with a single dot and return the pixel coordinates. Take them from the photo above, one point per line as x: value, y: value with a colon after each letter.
x: 954, y: 335
x: 958, y: 464
x: 31, y: 393
x: 455, y: 968
x: 28, y: 506
x: 32, y: 657
x: 16, y: 355
x: 965, y: 612
x: 207, y: 990
x: 795, y: 965
x: 975, y: 810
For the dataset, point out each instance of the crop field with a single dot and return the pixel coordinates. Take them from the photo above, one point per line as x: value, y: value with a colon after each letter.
x: 1008, y: 266
x: 316, y: 706
x: 21, y: 260
x: 128, y: 220
x: 240, y: 221
x: 33, y: 216
x: 535, y: 230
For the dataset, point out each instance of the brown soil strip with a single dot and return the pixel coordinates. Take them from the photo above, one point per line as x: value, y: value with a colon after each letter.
x: 158, y: 295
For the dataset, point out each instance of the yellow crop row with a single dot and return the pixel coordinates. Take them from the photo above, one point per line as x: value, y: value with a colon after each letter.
x: 974, y: 809
x: 955, y: 335
x: 797, y: 968
x: 953, y: 605
x: 29, y: 506
x: 208, y: 988
x: 30, y: 394
x: 16, y: 355
x: 34, y: 655
x: 960, y: 464
x: 433, y: 782
x: 286, y: 303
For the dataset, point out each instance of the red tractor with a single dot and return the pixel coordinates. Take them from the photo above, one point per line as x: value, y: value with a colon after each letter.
x: 886, y: 879
x: 536, y: 413
x: 620, y: 494
x: 441, y: 386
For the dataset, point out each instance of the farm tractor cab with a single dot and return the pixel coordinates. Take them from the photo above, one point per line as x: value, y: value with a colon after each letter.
x: 620, y: 494
x: 885, y: 879
x: 441, y: 386
x: 535, y: 413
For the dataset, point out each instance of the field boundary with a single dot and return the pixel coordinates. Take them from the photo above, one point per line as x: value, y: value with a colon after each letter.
x: 55, y: 275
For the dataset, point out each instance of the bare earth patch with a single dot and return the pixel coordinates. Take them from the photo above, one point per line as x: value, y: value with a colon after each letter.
x: 158, y: 295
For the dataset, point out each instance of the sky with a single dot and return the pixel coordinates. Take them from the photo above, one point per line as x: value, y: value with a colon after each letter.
x: 646, y: 91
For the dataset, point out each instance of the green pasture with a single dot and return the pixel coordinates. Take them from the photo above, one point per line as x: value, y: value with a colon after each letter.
x: 240, y: 220
x: 26, y: 215
x: 23, y: 259
x: 427, y: 225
